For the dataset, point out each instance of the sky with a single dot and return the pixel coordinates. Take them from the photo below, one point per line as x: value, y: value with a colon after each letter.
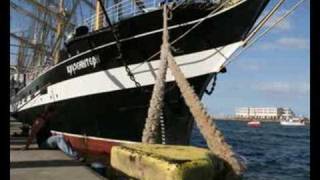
x: 274, y: 72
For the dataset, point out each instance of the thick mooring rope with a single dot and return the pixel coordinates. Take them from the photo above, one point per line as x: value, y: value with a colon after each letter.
x: 205, y: 122
x: 151, y: 130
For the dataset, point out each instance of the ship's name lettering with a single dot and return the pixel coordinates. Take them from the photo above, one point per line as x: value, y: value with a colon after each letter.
x: 85, y: 63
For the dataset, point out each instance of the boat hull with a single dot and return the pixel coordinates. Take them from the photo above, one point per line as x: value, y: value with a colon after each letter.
x: 254, y: 124
x: 93, y: 95
x: 121, y: 114
x: 285, y: 123
x: 89, y: 145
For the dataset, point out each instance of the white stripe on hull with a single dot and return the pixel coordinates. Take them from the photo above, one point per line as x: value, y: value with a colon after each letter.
x: 192, y: 65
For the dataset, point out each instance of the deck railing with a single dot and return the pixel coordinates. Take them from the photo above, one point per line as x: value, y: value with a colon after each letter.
x: 130, y: 8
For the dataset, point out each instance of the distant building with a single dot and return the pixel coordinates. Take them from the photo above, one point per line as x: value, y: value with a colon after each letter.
x: 264, y: 112
x: 287, y: 113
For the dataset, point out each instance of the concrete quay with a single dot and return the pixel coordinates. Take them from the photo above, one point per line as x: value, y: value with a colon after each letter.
x: 36, y: 164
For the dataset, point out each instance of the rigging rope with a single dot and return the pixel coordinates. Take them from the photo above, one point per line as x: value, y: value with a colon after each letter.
x: 263, y: 21
x: 249, y: 44
x: 205, y: 122
x: 81, y: 12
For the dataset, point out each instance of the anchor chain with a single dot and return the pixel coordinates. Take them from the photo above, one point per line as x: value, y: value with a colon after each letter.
x: 124, y: 63
x: 116, y: 36
x: 130, y: 74
x: 209, y: 92
x: 162, y: 127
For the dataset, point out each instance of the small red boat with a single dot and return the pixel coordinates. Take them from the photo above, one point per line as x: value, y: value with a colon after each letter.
x: 254, y: 123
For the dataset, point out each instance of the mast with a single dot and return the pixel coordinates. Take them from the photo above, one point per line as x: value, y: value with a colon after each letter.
x: 31, y: 15
x: 31, y: 44
x: 42, y: 35
x: 45, y: 9
x: 60, y: 26
x: 64, y: 24
x: 99, y: 16
x: 48, y: 21
x: 21, y: 57
x: 60, y: 21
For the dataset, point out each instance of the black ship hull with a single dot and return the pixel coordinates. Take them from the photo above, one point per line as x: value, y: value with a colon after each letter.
x: 93, y: 95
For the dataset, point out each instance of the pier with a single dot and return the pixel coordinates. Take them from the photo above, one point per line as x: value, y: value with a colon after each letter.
x: 44, y: 164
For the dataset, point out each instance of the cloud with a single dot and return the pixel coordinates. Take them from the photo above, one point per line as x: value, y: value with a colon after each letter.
x: 248, y: 65
x: 296, y: 43
x: 284, y: 88
x: 282, y: 30
x: 286, y: 43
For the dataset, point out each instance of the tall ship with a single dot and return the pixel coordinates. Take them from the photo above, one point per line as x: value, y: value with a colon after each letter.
x: 102, y: 76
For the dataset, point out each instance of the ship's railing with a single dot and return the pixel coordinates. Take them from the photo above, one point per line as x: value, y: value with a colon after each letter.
x: 129, y: 8
x: 123, y: 10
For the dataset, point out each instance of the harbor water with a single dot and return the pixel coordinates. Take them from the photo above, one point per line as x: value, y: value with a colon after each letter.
x: 272, y: 152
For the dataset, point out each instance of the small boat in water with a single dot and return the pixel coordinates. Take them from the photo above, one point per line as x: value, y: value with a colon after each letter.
x: 295, y: 121
x: 254, y: 123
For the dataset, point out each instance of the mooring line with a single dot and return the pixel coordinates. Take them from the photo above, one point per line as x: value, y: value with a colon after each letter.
x: 204, y: 121
x: 151, y: 130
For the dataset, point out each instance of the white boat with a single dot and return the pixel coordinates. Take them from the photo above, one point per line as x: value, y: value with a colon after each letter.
x: 295, y: 121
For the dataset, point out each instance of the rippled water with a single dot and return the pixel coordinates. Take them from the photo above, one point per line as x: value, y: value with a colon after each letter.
x: 273, y: 152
